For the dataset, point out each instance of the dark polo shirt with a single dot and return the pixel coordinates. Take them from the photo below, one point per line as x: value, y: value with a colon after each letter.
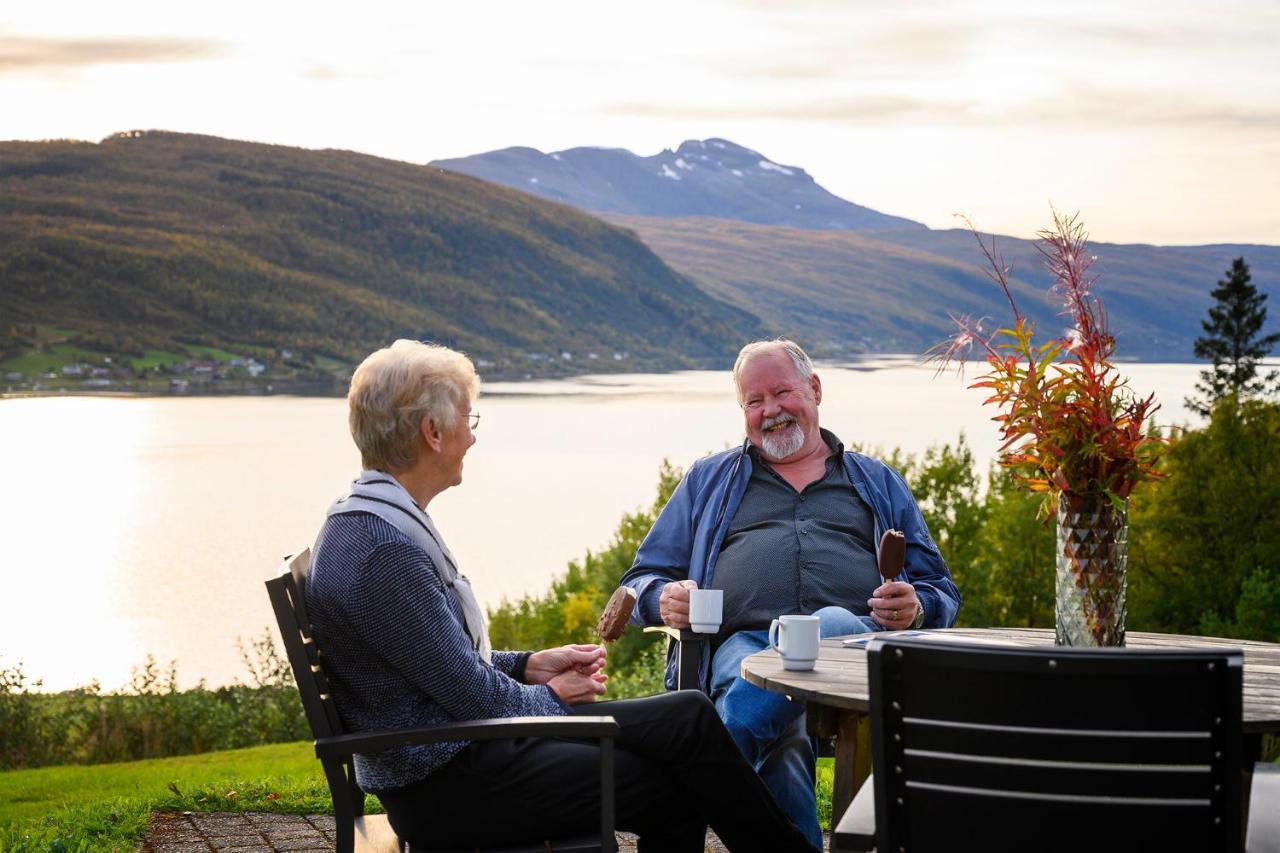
x: 796, y: 552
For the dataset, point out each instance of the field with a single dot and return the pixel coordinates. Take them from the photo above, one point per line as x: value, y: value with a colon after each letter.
x: 105, y: 806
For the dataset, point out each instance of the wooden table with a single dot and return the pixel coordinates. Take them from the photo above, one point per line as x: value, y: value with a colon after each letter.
x: 838, y: 700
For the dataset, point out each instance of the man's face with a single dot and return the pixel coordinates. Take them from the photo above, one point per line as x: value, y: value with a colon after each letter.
x: 781, y: 409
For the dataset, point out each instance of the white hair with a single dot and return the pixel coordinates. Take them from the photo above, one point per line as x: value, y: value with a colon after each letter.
x: 800, y: 359
x: 398, y: 387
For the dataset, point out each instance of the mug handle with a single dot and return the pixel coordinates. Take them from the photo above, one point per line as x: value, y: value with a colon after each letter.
x: 774, y: 630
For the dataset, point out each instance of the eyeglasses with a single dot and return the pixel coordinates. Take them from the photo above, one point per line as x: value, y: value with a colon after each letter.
x: 473, y: 420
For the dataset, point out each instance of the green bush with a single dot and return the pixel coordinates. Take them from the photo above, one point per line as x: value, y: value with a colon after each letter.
x: 153, y: 718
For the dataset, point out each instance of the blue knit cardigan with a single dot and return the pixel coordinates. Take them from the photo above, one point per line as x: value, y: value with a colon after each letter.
x: 396, y: 651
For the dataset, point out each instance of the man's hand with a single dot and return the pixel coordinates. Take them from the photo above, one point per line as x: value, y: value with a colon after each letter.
x: 576, y: 688
x: 894, y: 605
x: 542, y: 667
x: 673, y: 603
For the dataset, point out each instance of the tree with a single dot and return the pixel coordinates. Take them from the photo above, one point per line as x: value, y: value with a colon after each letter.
x: 1231, y: 342
x: 1203, y: 541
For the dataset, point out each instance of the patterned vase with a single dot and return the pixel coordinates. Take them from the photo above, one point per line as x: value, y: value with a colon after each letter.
x: 1092, y: 559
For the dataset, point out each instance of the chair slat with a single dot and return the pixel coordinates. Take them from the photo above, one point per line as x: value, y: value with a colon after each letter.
x: 1133, y: 747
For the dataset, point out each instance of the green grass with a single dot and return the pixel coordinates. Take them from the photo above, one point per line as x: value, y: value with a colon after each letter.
x: 826, y: 773
x: 156, y: 357
x: 35, y: 363
x: 105, y: 807
x: 212, y: 352
x: 332, y: 365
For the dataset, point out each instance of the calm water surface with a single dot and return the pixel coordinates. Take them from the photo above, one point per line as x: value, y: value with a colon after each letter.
x: 136, y: 526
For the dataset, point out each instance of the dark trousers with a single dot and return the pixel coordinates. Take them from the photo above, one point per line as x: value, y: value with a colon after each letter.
x: 676, y: 771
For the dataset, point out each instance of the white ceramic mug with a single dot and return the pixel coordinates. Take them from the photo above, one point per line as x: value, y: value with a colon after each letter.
x: 795, y: 638
x: 706, y: 609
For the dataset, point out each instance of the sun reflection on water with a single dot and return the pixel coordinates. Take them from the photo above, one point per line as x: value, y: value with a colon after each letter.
x: 71, y: 486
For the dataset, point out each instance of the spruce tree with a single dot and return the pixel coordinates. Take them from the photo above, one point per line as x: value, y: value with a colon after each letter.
x: 1231, y: 342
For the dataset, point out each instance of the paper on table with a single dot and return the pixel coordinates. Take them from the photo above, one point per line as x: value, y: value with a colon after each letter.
x: 941, y: 636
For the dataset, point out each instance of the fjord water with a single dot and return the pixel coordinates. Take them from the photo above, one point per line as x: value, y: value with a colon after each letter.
x: 147, y: 525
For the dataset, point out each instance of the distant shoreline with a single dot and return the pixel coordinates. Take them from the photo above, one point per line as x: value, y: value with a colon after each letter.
x: 336, y: 390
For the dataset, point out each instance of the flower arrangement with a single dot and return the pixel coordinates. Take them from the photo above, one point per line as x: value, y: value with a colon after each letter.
x: 1071, y: 425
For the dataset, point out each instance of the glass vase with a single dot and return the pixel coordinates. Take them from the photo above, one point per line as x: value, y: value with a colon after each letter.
x: 1092, y: 562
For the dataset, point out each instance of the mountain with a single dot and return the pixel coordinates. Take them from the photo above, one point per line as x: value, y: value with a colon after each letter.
x: 703, y: 178
x: 840, y: 292
x: 842, y: 278
x: 156, y: 240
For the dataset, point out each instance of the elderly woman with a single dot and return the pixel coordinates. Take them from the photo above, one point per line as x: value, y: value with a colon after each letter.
x: 406, y: 645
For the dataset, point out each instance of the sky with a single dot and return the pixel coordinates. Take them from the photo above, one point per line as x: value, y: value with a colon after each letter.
x: 1157, y: 120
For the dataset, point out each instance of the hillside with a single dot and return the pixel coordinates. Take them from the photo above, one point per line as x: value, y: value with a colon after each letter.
x: 706, y: 178
x: 165, y: 242
x: 892, y: 291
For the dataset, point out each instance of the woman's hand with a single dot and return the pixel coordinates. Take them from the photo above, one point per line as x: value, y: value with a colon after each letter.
x: 545, y: 665
x: 576, y: 688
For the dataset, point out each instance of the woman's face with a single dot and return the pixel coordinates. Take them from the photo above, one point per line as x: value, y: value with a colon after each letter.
x: 455, y: 443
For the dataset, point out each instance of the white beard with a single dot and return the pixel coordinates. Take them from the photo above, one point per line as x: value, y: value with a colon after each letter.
x: 782, y: 443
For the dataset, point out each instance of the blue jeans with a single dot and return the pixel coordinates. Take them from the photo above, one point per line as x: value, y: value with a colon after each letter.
x: 768, y: 727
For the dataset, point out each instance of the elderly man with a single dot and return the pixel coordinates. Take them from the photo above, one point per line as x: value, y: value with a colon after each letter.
x: 406, y: 644
x: 788, y: 523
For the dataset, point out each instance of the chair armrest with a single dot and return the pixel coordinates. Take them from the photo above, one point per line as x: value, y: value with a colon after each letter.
x: 679, y: 635
x: 857, y: 828
x: 689, y: 645
x: 497, y: 729
x: 1264, y: 809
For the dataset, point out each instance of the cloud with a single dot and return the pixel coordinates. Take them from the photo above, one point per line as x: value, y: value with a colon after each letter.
x: 863, y: 109
x: 916, y: 47
x: 1091, y: 106
x: 1073, y: 106
x: 25, y: 53
x: 321, y: 73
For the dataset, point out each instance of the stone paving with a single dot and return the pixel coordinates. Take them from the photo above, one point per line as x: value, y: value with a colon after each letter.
x: 257, y: 832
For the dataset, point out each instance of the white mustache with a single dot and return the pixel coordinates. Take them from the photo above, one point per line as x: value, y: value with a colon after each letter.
x: 780, y: 420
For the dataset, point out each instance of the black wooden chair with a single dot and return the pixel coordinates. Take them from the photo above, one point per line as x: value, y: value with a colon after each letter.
x: 334, y: 746
x: 689, y: 648
x: 993, y: 748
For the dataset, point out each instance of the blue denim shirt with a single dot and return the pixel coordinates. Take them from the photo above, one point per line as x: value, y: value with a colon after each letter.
x: 685, y: 540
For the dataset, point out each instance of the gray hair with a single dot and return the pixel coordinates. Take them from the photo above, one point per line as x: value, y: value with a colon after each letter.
x: 800, y: 359
x: 398, y: 387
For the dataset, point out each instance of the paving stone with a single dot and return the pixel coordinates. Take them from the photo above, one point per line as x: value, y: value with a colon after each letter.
x: 182, y: 835
x: 267, y: 819
x: 221, y: 822
x: 258, y: 832
x: 223, y: 842
x: 276, y: 836
x: 317, y: 842
x: 322, y: 822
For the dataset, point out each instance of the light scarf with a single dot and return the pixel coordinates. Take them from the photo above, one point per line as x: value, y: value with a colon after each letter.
x: 382, y: 495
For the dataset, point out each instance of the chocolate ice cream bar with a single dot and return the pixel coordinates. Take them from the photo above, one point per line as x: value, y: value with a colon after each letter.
x: 893, y: 553
x: 613, y: 621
